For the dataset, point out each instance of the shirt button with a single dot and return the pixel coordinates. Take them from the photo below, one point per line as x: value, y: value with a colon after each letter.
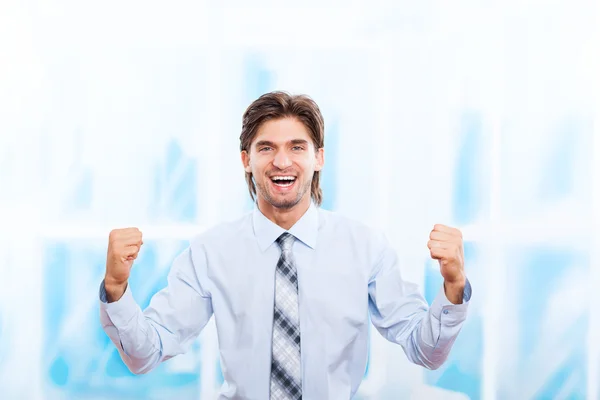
x: 446, y: 312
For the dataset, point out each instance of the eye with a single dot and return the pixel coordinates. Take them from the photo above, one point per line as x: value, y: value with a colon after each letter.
x: 263, y: 149
x: 297, y: 148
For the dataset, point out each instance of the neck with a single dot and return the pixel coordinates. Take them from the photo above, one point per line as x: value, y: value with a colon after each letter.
x: 284, y: 217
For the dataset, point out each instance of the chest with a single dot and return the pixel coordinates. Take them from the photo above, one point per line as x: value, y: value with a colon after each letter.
x: 332, y: 286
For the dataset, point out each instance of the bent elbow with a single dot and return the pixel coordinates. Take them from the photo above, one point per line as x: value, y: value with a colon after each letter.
x: 139, y: 369
x: 434, y: 362
x: 432, y: 366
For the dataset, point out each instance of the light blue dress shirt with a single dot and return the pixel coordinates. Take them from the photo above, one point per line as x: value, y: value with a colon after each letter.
x: 347, y: 273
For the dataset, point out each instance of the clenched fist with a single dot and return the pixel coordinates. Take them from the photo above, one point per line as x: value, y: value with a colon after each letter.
x: 446, y: 246
x: 123, y: 248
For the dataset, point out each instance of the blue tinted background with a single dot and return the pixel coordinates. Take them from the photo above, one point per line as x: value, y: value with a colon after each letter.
x: 480, y: 116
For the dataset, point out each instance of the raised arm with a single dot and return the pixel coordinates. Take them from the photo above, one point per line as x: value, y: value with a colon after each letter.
x: 175, y: 316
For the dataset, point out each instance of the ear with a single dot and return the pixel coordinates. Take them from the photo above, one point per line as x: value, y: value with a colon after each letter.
x: 320, y: 157
x: 246, y: 161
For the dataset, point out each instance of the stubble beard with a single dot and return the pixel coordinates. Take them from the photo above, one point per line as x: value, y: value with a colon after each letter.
x: 283, y: 203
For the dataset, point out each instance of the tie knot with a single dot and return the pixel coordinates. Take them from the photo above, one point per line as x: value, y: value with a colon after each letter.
x: 285, y: 241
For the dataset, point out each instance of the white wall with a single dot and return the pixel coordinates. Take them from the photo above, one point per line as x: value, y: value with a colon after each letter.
x: 473, y: 114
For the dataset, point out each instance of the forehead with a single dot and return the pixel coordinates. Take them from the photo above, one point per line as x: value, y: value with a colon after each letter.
x: 282, y: 131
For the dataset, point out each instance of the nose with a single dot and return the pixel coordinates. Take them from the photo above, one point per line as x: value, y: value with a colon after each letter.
x: 282, y: 160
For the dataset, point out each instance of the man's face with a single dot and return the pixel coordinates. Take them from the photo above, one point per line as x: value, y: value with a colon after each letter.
x: 282, y: 160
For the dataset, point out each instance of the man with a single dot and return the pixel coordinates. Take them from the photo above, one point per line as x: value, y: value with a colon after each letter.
x: 292, y: 286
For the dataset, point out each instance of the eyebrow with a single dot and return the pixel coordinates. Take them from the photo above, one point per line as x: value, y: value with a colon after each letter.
x: 299, y: 141
x: 271, y: 144
x: 264, y: 143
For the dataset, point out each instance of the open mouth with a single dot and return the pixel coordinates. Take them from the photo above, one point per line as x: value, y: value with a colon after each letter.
x: 283, y: 181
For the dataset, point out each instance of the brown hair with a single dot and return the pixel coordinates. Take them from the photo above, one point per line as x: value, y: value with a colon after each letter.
x: 277, y: 105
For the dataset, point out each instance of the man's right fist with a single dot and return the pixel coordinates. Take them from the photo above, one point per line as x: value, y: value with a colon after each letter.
x: 123, y: 248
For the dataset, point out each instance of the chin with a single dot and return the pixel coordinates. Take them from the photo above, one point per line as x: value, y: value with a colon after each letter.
x: 283, y: 203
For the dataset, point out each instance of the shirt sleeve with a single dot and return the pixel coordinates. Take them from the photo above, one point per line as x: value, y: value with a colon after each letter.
x: 173, y: 320
x: 401, y: 314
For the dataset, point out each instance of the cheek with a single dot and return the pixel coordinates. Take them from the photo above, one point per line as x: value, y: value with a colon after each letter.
x: 307, y: 166
x: 258, y: 166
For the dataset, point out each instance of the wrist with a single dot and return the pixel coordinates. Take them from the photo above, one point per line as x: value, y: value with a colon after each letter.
x: 458, y: 283
x: 114, y: 289
x: 454, y: 289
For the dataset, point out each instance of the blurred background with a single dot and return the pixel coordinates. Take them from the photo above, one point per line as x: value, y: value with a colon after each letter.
x: 474, y: 114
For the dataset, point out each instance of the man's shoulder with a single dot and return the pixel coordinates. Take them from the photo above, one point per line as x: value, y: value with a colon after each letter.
x: 339, y: 222
x: 224, y: 232
x: 357, y: 237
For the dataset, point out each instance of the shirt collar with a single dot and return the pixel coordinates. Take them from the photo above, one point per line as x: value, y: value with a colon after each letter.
x: 305, y: 229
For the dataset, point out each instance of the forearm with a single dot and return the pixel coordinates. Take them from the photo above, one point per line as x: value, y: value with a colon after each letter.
x: 131, y: 332
x: 139, y: 359
x: 436, y: 330
x: 430, y: 343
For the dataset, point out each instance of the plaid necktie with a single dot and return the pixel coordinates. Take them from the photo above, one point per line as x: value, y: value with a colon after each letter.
x: 286, y: 371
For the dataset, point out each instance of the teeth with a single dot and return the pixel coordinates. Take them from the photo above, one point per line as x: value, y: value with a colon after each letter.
x: 283, y: 178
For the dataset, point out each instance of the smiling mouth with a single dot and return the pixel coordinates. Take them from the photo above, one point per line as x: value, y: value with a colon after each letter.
x: 283, y: 181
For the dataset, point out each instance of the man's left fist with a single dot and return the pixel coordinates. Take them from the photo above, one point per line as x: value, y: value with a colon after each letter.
x: 446, y: 246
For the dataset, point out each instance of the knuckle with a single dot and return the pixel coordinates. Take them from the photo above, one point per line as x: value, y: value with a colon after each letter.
x: 116, y: 234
